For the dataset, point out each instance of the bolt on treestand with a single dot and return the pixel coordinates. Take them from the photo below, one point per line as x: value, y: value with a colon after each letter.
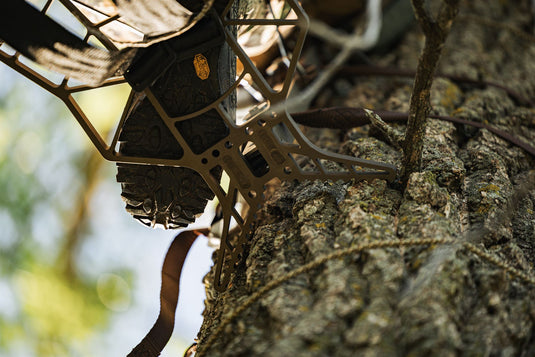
x: 178, y: 134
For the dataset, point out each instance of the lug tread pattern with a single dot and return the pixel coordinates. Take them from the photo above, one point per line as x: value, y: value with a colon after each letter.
x: 162, y: 195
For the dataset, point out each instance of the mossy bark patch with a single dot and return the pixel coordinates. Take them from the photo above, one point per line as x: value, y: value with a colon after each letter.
x: 429, y: 300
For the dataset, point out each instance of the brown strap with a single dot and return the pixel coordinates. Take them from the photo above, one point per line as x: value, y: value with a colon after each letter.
x: 154, y: 342
x: 346, y: 118
x: 333, y: 118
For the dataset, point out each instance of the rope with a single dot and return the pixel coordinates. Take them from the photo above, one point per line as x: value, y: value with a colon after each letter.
x: 348, y: 251
x: 347, y: 115
x: 530, y: 280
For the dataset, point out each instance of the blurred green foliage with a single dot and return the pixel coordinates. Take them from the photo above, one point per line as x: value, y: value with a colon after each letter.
x: 46, y: 309
x: 57, y: 311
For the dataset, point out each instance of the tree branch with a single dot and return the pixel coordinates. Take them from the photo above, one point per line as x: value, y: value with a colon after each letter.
x: 395, y: 137
x: 436, y: 32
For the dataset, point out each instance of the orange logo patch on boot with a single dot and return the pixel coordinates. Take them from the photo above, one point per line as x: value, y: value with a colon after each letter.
x: 201, y: 66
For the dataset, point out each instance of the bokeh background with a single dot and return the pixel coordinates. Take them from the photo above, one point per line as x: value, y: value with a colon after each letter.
x: 78, y: 276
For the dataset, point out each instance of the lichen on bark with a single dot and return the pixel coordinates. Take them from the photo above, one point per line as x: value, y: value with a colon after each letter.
x: 439, y: 300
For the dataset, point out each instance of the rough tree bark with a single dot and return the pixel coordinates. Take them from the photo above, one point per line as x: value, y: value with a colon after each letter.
x: 436, y: 29
x: 422, y: 300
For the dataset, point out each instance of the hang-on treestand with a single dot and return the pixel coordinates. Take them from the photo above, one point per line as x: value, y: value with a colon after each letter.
x: 266, y: 145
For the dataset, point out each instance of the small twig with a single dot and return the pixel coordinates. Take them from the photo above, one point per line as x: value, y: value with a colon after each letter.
x: 436, y: 31
x: 394, y: 136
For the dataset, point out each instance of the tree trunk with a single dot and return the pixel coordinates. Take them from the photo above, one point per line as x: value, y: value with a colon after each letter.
x: 475, y: 190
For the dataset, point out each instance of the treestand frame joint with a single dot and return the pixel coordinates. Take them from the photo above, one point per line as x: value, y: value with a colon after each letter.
x: 267, y: 145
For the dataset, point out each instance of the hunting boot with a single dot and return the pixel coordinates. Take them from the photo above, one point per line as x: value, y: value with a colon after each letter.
x: 202, y: 70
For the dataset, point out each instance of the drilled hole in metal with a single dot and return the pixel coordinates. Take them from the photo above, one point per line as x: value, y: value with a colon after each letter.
x: 252, y: 194
x: 215, y: 153
x: 228, y: 145
x: 254, y: 159
x: 204, y: 161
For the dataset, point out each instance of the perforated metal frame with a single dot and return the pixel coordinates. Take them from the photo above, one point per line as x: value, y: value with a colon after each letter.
x: 280, y: 152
